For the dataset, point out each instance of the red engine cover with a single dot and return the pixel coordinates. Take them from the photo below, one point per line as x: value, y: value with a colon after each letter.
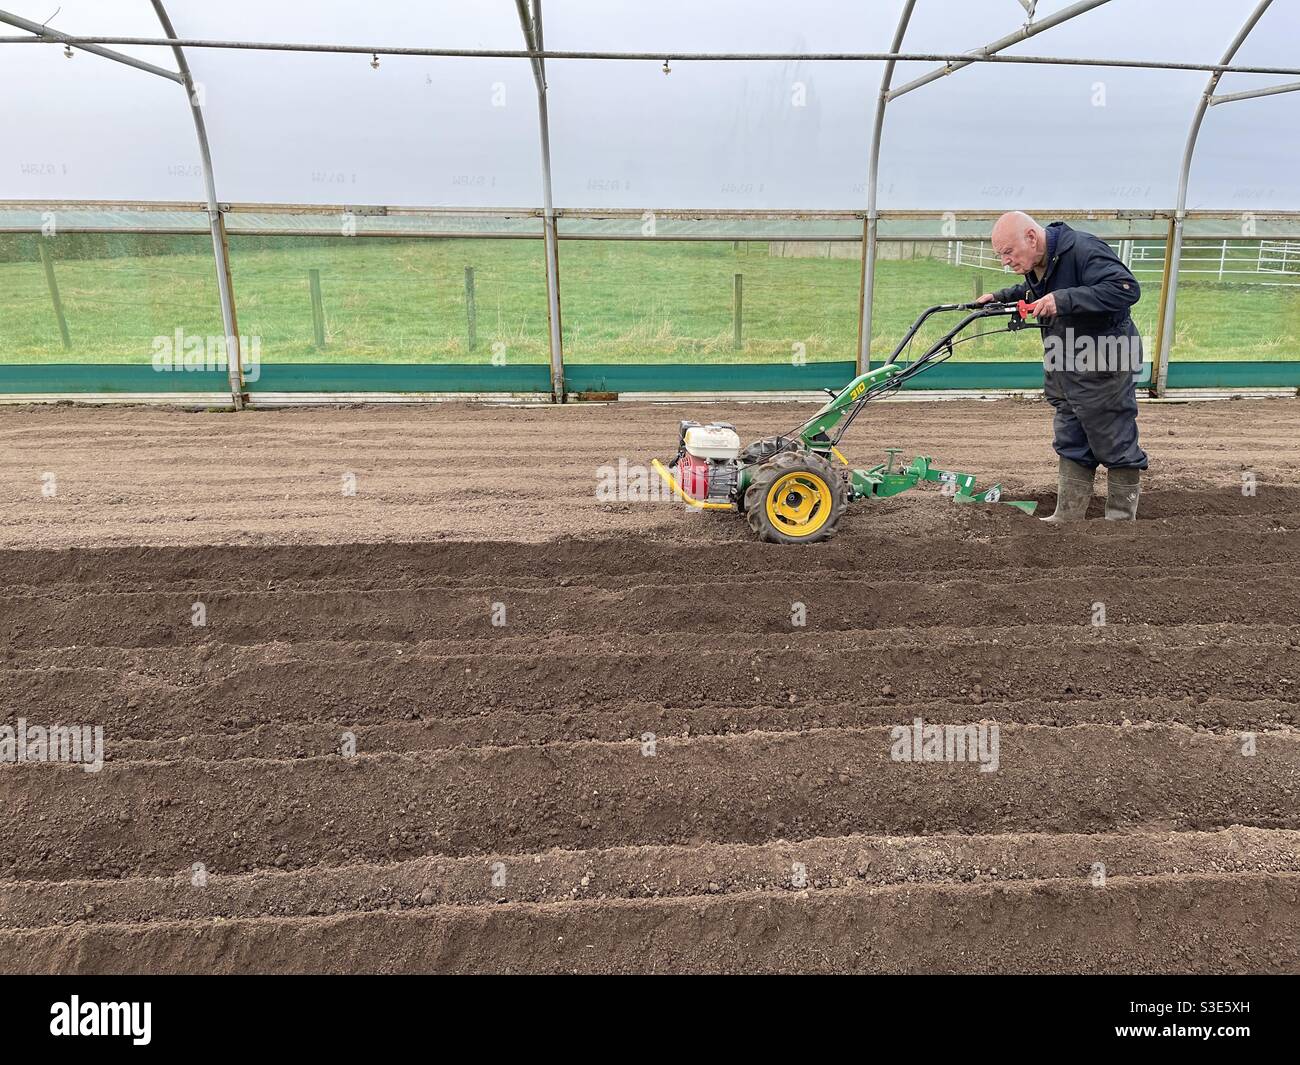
x: 693, y: 476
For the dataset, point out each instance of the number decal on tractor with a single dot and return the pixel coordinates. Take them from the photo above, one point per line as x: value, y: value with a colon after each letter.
x: 858, y: 389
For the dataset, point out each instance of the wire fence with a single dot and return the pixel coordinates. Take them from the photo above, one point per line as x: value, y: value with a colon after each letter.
x: 1262, y: 261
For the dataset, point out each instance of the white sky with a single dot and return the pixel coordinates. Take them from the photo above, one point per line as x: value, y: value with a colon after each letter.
x: 461, y: 132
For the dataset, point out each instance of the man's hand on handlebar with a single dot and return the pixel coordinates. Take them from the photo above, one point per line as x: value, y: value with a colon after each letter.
x: 1045, y: 307
x: 1040, y: 308
x: 988, y: 300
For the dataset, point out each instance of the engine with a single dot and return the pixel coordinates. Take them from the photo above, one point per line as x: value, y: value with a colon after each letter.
x: 708, y: 461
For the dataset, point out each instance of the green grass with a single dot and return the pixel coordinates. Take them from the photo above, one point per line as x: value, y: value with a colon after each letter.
x: 403, y: 300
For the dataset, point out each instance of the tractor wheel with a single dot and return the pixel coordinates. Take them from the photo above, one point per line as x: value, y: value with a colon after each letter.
x: 795, y: 498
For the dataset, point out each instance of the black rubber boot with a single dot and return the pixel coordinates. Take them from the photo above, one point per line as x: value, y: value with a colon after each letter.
x: 1122, y: 491
x: 1073, y: 492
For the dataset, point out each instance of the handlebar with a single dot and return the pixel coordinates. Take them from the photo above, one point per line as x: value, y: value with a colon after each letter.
x: 937, y: 351
x: 1018, y: 311
x: 993, y: 307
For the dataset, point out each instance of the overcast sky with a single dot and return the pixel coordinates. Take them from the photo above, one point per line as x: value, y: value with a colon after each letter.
x: 462, y: 132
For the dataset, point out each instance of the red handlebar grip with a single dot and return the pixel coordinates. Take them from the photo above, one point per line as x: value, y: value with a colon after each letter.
x: 1024, y: 309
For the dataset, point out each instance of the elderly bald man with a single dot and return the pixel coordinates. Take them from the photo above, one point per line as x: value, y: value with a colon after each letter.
x: 1092, y: 352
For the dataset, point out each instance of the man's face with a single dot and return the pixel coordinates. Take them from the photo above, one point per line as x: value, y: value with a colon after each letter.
x: 1018, y: 249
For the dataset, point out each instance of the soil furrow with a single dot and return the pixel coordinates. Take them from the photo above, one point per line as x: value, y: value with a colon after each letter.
x: 834, y: 603
x: 1248, y: 923
x: 647, y: 872
x: 144, y: 818
x: 206, y: 689
x: 509, y: 728
x: 989, y: 542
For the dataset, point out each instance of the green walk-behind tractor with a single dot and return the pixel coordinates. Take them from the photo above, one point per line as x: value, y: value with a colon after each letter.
x: 794, y: 488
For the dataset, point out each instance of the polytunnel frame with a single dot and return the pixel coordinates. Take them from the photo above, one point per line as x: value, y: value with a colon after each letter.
x: 530, y: 17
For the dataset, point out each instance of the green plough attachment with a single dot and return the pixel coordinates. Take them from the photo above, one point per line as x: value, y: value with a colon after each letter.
x: 883, y: 480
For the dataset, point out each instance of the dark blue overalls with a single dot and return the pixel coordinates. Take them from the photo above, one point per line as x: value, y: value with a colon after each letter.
x: 1096, y: 407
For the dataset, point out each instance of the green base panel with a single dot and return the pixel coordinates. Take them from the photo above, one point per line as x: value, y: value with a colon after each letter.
x: 591, y: 377
x: 400, y: 377
x: 107, y: 377
x: 970, y: 376
x: 1234, y: 375
x: 277, y: 377
x: 702, y: 377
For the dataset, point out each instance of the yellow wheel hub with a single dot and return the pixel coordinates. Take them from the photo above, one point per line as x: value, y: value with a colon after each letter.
x: 799, y: 503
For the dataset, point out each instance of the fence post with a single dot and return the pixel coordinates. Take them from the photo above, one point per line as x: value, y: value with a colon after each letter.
x: 317, y: 308
x: 1223, y: 255
x: 53, y: 284
x: 737, y: 302
x: 471, y: 311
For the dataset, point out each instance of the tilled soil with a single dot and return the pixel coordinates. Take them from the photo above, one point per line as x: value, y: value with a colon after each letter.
x: 477, y: 718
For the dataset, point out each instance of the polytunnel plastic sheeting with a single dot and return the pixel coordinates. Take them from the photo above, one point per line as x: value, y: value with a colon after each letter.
x: 429, y: 23
x: 728, y: 135
x: 1091, y: 135
x: 1246, y: 153
x: 1246, y: 156
x: 656, y: 226
x: 1059, y: 137
x: 711, y: 135
x: 721, y: 25
x: 330, y: 128
x: 979, y: 228
x: 92, y: 128
x: 398, y: 224
x: 1271, y: 43
x: 1243, y: 158
x: 999, y: 136
x: 65, y: 218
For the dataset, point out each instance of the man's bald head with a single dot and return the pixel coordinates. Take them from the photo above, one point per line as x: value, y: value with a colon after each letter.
x: 1019, y: 241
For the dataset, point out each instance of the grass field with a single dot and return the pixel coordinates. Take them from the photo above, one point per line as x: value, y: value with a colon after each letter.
x: 403, y: 300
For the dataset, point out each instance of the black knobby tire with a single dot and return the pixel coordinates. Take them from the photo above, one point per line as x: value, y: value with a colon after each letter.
x: 761, y: 451
x: 769, y: 446
x: 766, y: 478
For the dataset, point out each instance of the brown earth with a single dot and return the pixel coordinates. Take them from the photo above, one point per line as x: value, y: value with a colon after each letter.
x: 648, y: 767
